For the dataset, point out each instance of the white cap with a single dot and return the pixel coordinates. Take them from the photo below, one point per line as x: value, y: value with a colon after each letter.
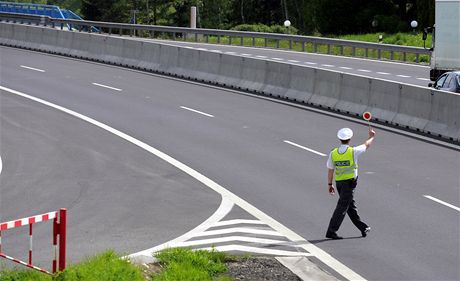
x: 345, y: 134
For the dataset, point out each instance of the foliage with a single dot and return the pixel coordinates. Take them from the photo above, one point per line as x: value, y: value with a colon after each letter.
x: 187, y: 265
x: 265, y: 28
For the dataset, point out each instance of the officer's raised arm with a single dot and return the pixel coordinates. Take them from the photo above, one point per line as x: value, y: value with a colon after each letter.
x: 371, y: 138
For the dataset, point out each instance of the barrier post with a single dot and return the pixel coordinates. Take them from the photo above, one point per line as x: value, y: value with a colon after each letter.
x: 62, y: 237
x: 55, y: 234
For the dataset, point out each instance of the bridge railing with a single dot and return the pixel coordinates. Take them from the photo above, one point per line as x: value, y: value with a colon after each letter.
x: 242, y: 38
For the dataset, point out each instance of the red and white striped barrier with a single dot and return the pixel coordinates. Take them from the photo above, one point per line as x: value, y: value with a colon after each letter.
x: 59, y: 235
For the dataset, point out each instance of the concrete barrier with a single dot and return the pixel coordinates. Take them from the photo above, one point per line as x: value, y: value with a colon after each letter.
x: 327, y: 89
x: 354, y: 95
x: 230, y: 71
x: 277, y: 79
x: 301, y: 84
x: 445, y: 115
x: 384, y: 100
x: 253, y: 75
x: 416, y: 108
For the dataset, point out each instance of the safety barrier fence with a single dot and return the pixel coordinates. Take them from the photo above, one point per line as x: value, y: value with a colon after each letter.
x: 303, y: 43
x: 59, y: 239
x: 415, y: 108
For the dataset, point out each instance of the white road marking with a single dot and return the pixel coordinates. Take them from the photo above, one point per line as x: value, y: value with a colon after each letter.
x: 238, y: 230
x: 247, y: 249
x: 345, y: 67
x: 32, y: 68
x: 196, y: 111
x: 107, y: 87
x: 261, y: 57
x: 246, y: 55
x: 364, y: 70
x: 442, y: 202
x: 230, y: 53
x: 214, y: 241
x: 424, y: 79
x: 403, y: 76
x: 328, y: 65
x: 305, y: 148
x: 1, y: 165
x: 237, y: 221
x: 226, y: 194
x: 216, y: 51
x: 294, y: 61
x: 277, y: 59
x: 201, y: 49
x: 383, y: 73
x: 310, y: 63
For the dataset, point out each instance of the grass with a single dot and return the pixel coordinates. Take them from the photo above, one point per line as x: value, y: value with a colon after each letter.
x: 186, y: 265
x: 404, y: 39
x: 179, y: 265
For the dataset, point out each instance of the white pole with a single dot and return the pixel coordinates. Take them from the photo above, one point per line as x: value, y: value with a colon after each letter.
x: 193, y: 17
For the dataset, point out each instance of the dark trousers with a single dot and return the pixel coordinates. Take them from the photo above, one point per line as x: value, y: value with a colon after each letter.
x: 345, y: 205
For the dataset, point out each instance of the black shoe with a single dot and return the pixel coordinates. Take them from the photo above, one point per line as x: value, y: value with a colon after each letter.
x: 333, y: 236
x: 365, y: 231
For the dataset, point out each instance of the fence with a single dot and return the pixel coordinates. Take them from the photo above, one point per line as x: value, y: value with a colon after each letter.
x: 254, y: 39
x: 59, y: 238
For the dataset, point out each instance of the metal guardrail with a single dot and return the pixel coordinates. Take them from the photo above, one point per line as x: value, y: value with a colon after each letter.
x: 230, y: 37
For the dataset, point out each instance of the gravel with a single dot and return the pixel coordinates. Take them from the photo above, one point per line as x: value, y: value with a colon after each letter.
x: 259, y: 269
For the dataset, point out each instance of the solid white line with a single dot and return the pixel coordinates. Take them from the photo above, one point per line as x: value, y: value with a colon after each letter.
x: 328, y: 65
x: 32, y: 68
x: 239, y: 230
x: 237, y: 221
x: 230, y: 53
x: 1, y: 165
x: 345, y: 67
x: 364, y: 70
x: 214, y: 241
x: 424, y: 79
x: 226, y: 194
x: 247, y: 249
x: 196, y: 111
x: 403, y: 76
x: 383, y: 73
x: 216, y: 51
x: 305, y: 148
x: 201, y: 49
x: 277, y: 59
x: 294, y: 61
x: 261, y: 57
x: 107, y: 87
x: 246, y: 55
x: 442, y: 202
x: 310, y: 63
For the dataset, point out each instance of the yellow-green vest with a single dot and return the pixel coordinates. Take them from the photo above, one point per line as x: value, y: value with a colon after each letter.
x: 344, y: 164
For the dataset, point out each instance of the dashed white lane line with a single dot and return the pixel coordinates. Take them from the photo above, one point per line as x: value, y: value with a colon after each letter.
x: 442, y: 202
x: 345, y: 67
x: 201, y: 49
x: 107, y: 87
x: 328, y: 65
x: 197, y: 111
x: 1, y: 165
x: 305, y: 148
x: 364, y: 70
x: 32, y: 68
x: 383, y: 73
x: 294, y: 61
x: 230, y: 53
x: 261, y: 57
x: 403, y: 76
x: 277, y: 59
x: 225, y: 193
x: 245, y: 55
x: 310, y: 63
x: 423, y: 79
x: 216, y: 51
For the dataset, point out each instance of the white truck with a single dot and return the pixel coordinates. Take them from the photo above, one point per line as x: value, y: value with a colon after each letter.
x: 445, y: 54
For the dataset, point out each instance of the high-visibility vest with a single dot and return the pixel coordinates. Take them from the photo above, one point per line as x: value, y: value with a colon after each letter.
x: 344, y: 164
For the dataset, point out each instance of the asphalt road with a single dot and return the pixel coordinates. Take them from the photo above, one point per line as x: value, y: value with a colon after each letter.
x: 242, y: 147
x: 407, y: 73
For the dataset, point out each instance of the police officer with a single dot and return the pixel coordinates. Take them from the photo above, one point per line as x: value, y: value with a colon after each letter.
x: 343, y: 163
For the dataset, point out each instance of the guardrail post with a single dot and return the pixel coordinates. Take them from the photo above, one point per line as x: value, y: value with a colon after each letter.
x: 417, y: 57
x: 315, y: 48
x: 229, y: 40
x: 303, y: 46
x: 241, y: 41
x: 290, y: 44
x: 253, y: 41
x: 62, y: 238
